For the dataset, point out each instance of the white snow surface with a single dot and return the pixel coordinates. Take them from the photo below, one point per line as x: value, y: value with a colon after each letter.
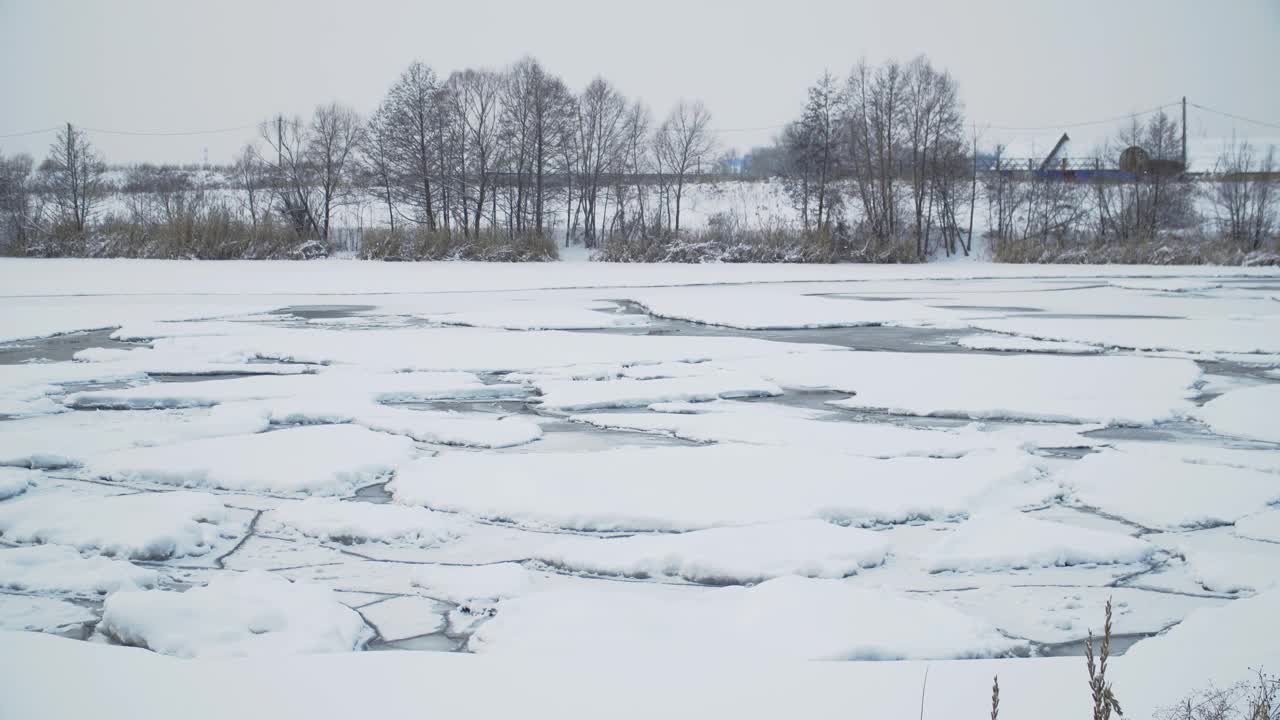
x: 727, y: 555
x: 144, y: 526
x: 58, y: 569
x: 764, y: 309
x: 1263, y: 526
x: 325, y: 460
x: 15, y: 481
x: 1018, y: 541
x: 812, y: 620
x: 1248, y: 412
x: 250, y: 613
x: 1013, y: 343
x: 575, y: 395
x: 473, y: 584
x: 1168, y: 493
x: 357, y: 522
x: 1114, y: 390
x: 695, y: 488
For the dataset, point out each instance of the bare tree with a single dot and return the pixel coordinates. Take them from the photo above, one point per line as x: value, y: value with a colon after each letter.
x: 1244, y: 194
x: 73, y: 175
x: 16, y: 212
x: 813, y: 145
x: 377, y: 161
x: 410, y: 125
x: 336, y: 131
x: 599, y: 143
x: 683, y: 142
x: 251, y: 175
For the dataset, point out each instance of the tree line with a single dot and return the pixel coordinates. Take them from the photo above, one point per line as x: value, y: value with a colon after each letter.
x: 879, y: 165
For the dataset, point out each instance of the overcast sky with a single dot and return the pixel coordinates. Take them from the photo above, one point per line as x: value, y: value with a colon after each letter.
x: 171, y: 65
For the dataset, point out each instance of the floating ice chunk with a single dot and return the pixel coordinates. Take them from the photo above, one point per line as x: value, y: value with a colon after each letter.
x: 159, y: 361
x: 54, y: 568
x: 376, y: 387
x: 1262, y: 526
x: 1159, y: 492
x: 470, y: 584
x: 726, y: 556
x: 1014, y: 343
x: 1110, y: 389
x: 15, y: 481
x: 322, y: 460
x: 1258, y: 334
x: 144, y: 526
x: 357, y: 522
x: 693, y: 488
x: 398, y: 618
x: 1171, y: 285
x: 571, y: 395
x: 1065, y: 614
x: 23, y: 612
x: 440, y: 427
x: 38, y: 388
x: 536, y: 314
x: 1248, y: 412
x: 770, y: 424
x: 66, y: 439
x: 1017, y: 541
x: 765, y: 308
x: 808, y: 619
x: 250, y: 613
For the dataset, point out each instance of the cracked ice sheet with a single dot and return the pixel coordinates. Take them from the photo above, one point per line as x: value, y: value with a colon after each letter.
x: 725, y: 556
x: 1056, y: 615
x: 1253, y: 334
x: 357, y: 522
x: 568, y: 395
x: 1248, y: 412
x: 59, y: 569
x: 701, y: 487
x: 236, y: 614
x: 466, y: 349
x: 1263, y: 526
x: 321, y: 460
x: 38, y: 388
x: 1013, y: 343
x: 998, y: 541
x: 834, y: 621
x: 145, y: 526
x: 36, y: 317
x: 536, y: 313
x: 340, y: 383
x: 15, y: 481
x: 1167, y: 493
x: 161, y: 362
x: 771, y: 424
x: 399, y: 618
x: 1111, y: 390
x: 481, y: 430
x: 66, y: 439
x: 767, y: 308
x: 1218, y: 560
x: 24, y: 612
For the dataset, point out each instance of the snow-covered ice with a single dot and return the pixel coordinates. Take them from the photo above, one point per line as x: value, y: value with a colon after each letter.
x: 250, y: 613
x: 517, y: 460
x: 1018, y: 541
x: 1247, y: 412
x: 143, y: 526
x: 694, y: 488
x: 355, y: 522
x: 726, y: 556
x: 325, y: 459
x: 787, y: 618
x: 58, y: 569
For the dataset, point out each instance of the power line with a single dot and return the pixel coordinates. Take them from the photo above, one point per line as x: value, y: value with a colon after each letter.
x: 29, y: 132
x: 1086, y: 122
x: 1234, y: 116
x: 174, y: 133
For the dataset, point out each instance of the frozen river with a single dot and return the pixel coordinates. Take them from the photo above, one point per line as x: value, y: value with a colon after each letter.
x: 578, y: 461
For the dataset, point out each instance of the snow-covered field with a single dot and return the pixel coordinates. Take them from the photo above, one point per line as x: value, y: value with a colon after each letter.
x: 541, y: 490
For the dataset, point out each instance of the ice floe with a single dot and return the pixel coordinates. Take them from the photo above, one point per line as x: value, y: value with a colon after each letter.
x: 250, y: 613
x: 58, y: 569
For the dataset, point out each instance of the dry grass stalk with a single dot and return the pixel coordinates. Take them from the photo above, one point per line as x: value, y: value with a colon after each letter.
x: 1104, y: 700
x: 995, y: 698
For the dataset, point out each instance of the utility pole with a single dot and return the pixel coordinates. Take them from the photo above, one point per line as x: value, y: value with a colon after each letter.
x: 1184, y: 133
